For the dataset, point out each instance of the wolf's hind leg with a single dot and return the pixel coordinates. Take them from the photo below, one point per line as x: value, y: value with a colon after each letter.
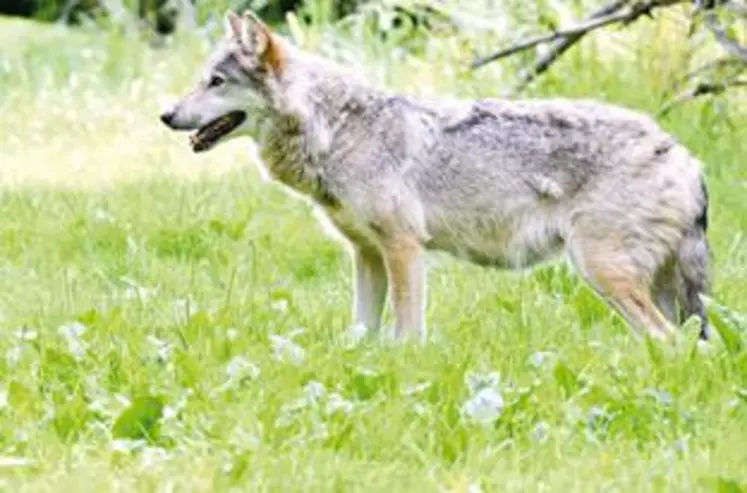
x: 666, y: 292
x: 679, y: 283
x: 622, y: 282
x: 693, y: 268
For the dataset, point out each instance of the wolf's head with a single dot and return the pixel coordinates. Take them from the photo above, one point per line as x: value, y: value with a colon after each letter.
x: 238, y: 84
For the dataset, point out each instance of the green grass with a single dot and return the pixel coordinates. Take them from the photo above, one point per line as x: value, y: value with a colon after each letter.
x: 168, y: 322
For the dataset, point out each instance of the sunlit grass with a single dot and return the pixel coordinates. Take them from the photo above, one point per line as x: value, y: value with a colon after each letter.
x: 168, y: 322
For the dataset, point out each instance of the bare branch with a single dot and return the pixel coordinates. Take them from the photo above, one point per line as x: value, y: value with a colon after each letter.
x: 67, y: 10
x: 562, y: 45
x: 721, y: 74
x: 633, y: 13
x: 703, y: 89
x: 731, y: 45
x: 713, y: 66
x: 736, y: 8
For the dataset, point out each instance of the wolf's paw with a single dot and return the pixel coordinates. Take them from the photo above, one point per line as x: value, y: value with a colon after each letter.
x: 355, y: 334
x: 393, y: 336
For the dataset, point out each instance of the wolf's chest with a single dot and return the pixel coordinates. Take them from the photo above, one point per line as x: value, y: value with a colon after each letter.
x: 289, y: 162
x: 344, y: 224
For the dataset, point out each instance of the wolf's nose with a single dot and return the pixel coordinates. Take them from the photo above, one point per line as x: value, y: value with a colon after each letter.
x: 167, y: 118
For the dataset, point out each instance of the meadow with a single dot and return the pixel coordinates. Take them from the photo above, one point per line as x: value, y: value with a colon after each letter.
x: 170, y: 322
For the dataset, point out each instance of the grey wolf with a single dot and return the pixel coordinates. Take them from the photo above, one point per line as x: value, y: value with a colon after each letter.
x: 503, y: 183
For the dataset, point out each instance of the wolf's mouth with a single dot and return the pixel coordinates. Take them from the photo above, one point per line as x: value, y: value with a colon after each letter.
x: 208, y: 135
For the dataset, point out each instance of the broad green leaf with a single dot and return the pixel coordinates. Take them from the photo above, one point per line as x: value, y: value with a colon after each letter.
x: 141, y: 420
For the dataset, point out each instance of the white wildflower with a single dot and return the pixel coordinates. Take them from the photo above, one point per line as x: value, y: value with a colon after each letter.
x: 661, y: 397
x: 152, y: 456
x: 486, y: 403
x: 163, y: 349
x: 314, y: 391
x: 285, y: 418
x: 417, y: 388
x: 541, y: 432
x: 354, y: 336
x: 279, y: 305
x: 319, y: 430
x: 169, y: 413
x: 286, y: 350
x: 476, y: 381
x: 311, y: 395
x: 132, y: 247
x: 240, y: 368
x: 296, y: 332
x: 484, y: 407
x: 420, y: 409
x: 139, y: 293
x: 26, y: 334
x: 136, y: 291
x: 102, y: 216
x: 539, y: 358
x: 682, y: 445
x: 337, y: 403
x: 243, y: 439
x: 123, y: 400
x: 124, y: 445
x: 21, y: 436
x: 172, y: 411
x: 13, y: 356
x: 186, y: 306
x: 474, y: 488
x: 101, y: 405
x: 15, y: 462
x: 72, y: 333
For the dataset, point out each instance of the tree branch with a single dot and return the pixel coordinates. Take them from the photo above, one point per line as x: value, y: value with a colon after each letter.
x: 67, y: 10
x: 731, y: 45
x: 702, y: 89
x: 713, y: 66
x: 562, y: 45
x: 633, y: 13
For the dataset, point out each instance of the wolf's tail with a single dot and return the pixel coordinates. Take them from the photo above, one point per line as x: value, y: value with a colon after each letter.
x: 693, y: 265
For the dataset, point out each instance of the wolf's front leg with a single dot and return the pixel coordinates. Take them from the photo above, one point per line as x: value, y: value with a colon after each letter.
x: 370, y: 288
x: 406, y: 269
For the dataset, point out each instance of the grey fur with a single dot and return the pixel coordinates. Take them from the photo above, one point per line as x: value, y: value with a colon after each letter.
x: 504, y: 183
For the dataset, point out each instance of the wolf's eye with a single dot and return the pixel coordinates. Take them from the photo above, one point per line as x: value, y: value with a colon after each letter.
x: 216, y: 81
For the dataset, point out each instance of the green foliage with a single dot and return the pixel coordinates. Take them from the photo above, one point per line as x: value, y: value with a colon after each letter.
x: 140, y: 420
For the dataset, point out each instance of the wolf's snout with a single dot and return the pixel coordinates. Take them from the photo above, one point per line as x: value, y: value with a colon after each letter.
x: 167, y: 117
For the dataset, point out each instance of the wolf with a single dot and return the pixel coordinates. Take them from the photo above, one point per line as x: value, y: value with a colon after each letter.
x: 502, y: 183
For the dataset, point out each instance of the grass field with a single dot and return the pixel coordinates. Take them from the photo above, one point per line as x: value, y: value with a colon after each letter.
x: 168, y: 322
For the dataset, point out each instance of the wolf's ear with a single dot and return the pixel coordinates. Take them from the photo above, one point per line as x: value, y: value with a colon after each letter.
x: 255, y: 35
x: 233, y: 25
x: 258, y: 40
